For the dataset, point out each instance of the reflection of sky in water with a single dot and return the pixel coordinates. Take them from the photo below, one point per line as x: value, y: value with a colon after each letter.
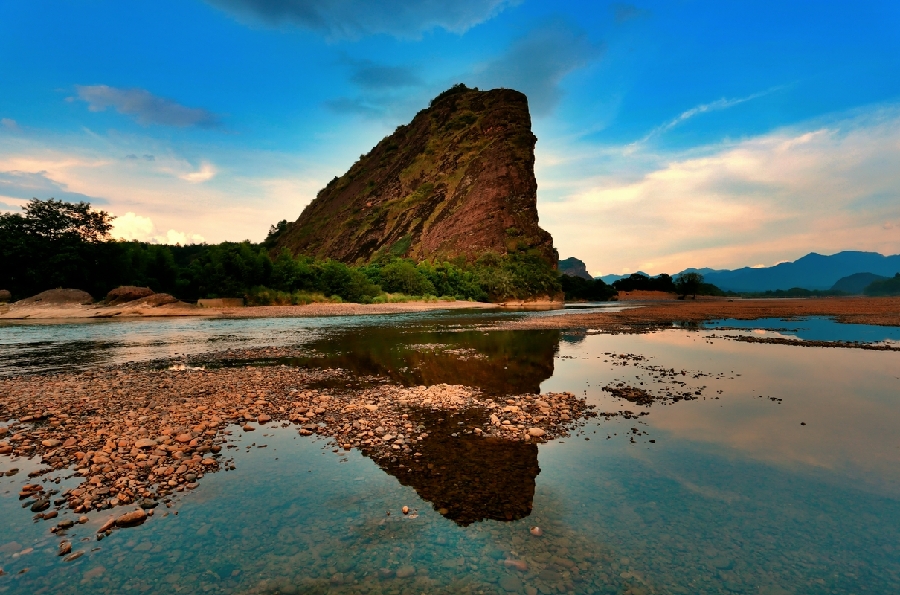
x: 735, y: 496
x: 814, y: 329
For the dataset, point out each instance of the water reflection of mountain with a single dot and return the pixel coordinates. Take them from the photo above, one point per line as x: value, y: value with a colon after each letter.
x: 467, y: 478
x: 498, y: 362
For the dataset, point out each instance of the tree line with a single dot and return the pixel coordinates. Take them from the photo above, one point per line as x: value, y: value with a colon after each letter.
x: 59, y: 244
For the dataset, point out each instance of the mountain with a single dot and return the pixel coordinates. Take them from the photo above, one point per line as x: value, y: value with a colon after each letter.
x: 856, y: 283
x: 610, y: 279
x: 574, y: 268
x: 813, y: 271
x: 457, y: 181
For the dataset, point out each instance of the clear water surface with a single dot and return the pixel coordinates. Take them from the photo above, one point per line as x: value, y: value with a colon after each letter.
x: 733, y: 494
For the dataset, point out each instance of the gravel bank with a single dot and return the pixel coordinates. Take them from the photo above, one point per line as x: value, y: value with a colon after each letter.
x: 142, y: 437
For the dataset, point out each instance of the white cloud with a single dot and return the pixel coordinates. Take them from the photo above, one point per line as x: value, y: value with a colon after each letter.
x: 132, y: 226
x: 178, y: 237
x: 204, y: 174
x: 775, y: 197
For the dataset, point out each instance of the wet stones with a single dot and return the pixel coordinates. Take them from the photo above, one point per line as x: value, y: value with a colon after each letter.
x: 140, y: 436
x: 405, y: 571
x: 131, y: 519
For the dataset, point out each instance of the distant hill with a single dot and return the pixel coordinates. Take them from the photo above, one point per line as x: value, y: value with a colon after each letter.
x: 813, y: 271
x: 574, y: 268
x: 856, y: 283
x: 610, y: 279
x: 884, y: 287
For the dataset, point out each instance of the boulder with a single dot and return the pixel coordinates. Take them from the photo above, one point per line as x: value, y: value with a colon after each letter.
x: 5, y: 296
x: 127, y: 293
x: 130, y: 519
x: 157, y: 299
x: 58, y: 297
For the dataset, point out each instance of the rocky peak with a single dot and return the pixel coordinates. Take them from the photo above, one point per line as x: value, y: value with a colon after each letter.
x: 456, y: 181
x: 574, y: 267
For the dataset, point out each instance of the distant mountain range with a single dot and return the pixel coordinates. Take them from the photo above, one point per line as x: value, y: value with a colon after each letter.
x: 610, y: 279
x: 813, y: 271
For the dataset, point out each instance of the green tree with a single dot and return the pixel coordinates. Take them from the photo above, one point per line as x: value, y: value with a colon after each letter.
x: 54, y: 244
x: 689, y: 284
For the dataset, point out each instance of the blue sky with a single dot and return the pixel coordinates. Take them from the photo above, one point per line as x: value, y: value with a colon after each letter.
x: 671, y: 134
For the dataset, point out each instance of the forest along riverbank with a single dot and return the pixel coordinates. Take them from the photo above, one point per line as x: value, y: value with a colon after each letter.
x: 140, y: 437
x: 658, y: 315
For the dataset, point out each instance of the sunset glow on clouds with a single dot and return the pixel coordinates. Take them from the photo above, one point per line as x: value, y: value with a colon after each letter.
x: 670, y: 134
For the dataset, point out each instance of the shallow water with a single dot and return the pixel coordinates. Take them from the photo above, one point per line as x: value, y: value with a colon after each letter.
x: 733, y: 496
x: 814, y: 328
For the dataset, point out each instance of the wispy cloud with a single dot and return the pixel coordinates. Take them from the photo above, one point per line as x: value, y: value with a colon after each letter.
x: 27, y: 185
x: 145, y: 108
x: 10, y: 125
x: 357, y: 18
x: 627, y: 12
x: 537, y: 62
x: 355, y: 106
x: 713, y: 106
x: 374, y: 76
x: 206, y: 172
x: 826, y: 187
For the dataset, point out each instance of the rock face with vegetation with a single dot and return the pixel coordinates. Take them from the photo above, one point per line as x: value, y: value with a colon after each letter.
x: 457, y: 181
x: 574, y: 267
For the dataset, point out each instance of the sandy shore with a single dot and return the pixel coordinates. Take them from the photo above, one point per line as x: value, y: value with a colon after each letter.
x: 124, y: 311
x: 855, y: 310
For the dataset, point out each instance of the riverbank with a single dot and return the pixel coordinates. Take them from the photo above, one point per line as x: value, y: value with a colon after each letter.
x: 63, y: 312
x: 651, y: 315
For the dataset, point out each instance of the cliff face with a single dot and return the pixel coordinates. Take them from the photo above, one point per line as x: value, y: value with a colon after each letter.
x: 456, y: 181
x: 574, y: 267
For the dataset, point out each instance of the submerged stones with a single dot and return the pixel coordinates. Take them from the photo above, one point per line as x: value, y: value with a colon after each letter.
x: 138, y: 436
x: 130, y: 519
